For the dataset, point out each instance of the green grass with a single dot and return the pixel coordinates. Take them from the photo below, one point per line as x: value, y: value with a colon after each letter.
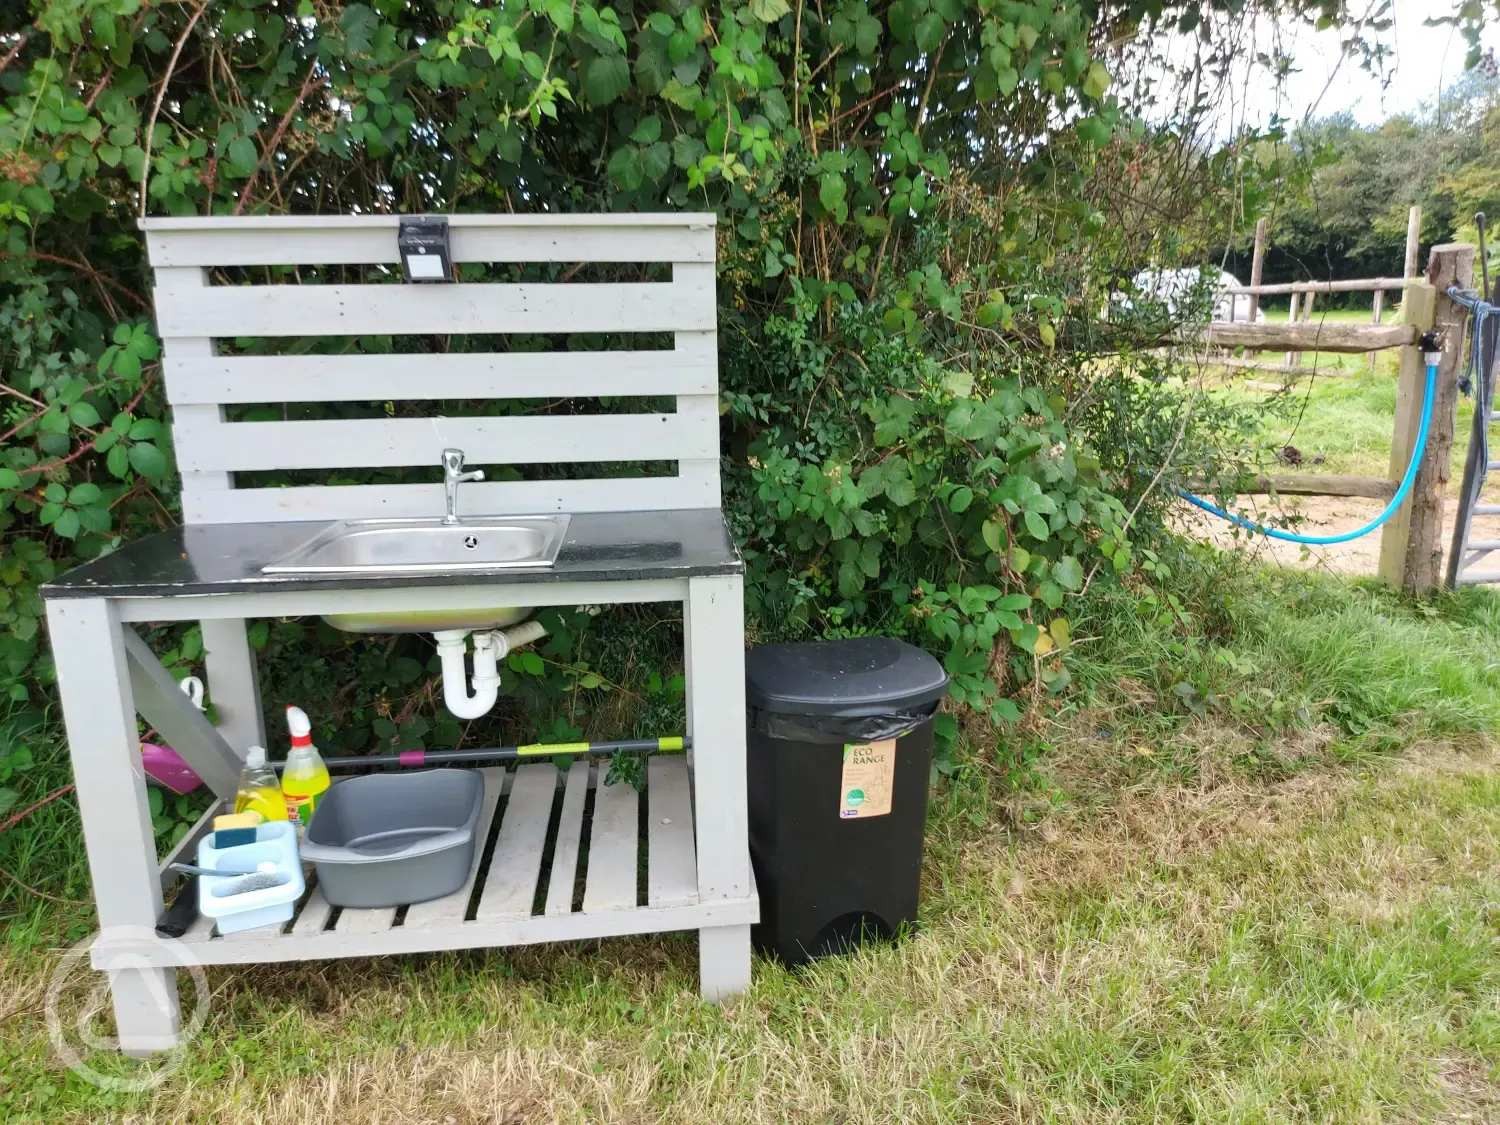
x: 1244, y: 872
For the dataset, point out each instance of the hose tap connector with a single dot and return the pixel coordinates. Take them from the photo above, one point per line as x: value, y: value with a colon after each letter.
x: 1432, y: 351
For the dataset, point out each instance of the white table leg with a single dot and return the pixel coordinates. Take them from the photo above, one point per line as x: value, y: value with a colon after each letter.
x: 714, y: 626
x: 233, y: 683
x: 723, y: 961
x: 100, y: 717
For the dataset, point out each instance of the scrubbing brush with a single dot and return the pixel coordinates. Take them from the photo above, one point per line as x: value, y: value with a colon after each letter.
x: 262, y: 878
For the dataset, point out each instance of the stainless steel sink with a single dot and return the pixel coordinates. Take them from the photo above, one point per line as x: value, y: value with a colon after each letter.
x: 427, y: 546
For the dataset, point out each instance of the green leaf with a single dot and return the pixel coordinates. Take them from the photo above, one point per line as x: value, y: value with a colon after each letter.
x: 242, y: 155
x: 147, y: 460
x: 656, y: 160
x: 1005, y: 711
x: 560, y: 12
x: 8, y: 799
x: 9, y: 478
x: 962, y: 497
x: 1036, y: 525
x: 900, y: 491
x: 1014, y: 603
x: 82, y: 414
x: 959, y: 384
x: 532, y: 664
x: 1094, y: 131
x: 991, y: 533
x: 118, y: 462
x: 127, y: 365
x: 680, y: 45
x: 1096, y: 81
x: 769, y: 11
x: 626, y: 167
x: 85, y: 493
x: 929, y: 32
x: 1068, y: 573
x: 67, y: 524
x: 605, y: 78
x: 1050, y: 593
x: 646, y: 130
x: 831, y: 190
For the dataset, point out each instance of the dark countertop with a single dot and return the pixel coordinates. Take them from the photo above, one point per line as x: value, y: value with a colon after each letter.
x: 226, y: 558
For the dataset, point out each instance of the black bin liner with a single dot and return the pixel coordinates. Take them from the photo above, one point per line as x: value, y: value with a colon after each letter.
x: 839, y: 728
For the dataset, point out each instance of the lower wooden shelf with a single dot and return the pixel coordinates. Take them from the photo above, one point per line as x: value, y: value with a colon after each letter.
x: 558, y: 860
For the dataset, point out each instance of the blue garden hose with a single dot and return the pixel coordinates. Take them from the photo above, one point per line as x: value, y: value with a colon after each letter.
x: 1430, y: 357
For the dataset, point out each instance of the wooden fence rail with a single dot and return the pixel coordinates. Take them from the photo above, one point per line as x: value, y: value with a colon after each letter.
x: 1356, y: 285
x: 1304, y: 337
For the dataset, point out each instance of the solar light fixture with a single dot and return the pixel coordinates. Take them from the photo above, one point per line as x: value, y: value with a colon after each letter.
x: 423, y: 242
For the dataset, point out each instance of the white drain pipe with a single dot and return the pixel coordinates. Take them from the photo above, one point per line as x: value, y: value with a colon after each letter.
x: 470, y: 698
x: 456, y: 682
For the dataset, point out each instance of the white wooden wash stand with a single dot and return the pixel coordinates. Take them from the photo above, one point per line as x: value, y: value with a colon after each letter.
x: 697, y: 864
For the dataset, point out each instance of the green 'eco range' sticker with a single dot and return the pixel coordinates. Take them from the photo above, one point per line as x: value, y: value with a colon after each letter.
x: 869, y: 777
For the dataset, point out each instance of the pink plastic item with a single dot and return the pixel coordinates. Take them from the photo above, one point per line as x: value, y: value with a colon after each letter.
x: 164, y: 766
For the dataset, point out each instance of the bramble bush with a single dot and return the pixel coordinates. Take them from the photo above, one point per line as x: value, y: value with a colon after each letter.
x: 923, y: 207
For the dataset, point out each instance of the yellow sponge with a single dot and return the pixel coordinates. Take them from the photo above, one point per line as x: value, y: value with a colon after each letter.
x: 247, y: 819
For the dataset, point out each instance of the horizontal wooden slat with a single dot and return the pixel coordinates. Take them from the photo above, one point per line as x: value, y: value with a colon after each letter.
x: 611, y: 879
x: 695, y: 486
x: 510, y: 885
x: 371, y: 239
x: 456, y: 935
x: 382, y: 442
x: 378, y: 310
x: 569, y: 834
x: 373, y: 921
x: 368, y: 378
x: 453, y: 907
x: 314, y: 915
x: 671, y: 858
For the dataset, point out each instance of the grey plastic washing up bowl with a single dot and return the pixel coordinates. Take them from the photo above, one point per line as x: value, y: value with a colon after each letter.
x: 397, y: 838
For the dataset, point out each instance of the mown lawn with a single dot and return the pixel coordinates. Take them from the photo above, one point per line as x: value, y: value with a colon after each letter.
x: 1248, y: 874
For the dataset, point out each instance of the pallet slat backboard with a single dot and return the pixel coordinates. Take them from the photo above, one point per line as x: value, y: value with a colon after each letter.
x: 196, y: 313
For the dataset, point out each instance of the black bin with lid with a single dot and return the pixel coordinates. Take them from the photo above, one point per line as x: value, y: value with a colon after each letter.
x: 839, y: 753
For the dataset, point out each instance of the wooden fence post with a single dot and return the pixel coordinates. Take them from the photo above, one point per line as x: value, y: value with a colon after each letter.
x: 1417, y: 301
x: 1422, y: 566
x: 1257, y: 268
x: 1379, y: 308
x: 1413, y: 241
x: 1293, y: 359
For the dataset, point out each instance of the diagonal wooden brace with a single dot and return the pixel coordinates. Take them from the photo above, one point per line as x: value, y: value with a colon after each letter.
x: 162, y: 704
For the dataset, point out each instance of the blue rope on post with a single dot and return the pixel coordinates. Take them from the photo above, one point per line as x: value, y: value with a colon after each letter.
x: 1476, y: 380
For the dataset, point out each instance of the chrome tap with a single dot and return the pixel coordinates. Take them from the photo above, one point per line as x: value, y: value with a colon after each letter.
x: 453, y: 476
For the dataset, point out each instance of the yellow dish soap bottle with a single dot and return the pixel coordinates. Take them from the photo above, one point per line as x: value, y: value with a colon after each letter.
x: 304, y: 779
x: 258, y: 791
